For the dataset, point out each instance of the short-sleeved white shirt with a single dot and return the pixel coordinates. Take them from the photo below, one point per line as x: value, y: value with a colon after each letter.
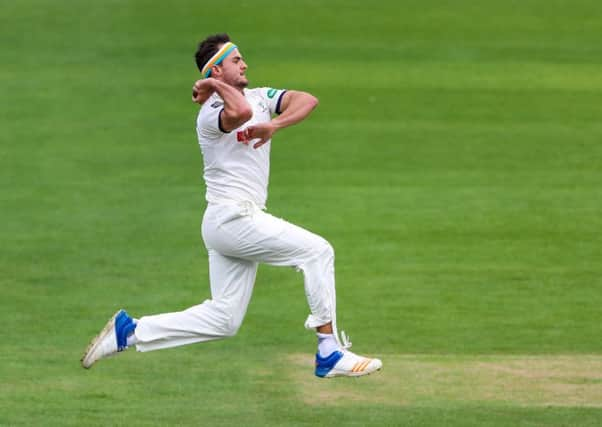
x: 233, y: 171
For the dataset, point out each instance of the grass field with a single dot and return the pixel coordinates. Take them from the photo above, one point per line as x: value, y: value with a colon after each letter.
x: 454, y: 162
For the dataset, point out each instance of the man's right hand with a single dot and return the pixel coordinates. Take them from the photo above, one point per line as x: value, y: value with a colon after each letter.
x: 202, y: 90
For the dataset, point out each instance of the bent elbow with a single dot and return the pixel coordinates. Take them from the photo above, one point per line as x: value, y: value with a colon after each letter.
x: 313, y: 101
x: 245, y: 114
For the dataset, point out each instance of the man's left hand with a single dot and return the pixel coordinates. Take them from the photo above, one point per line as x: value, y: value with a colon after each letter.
x: 263, y: 131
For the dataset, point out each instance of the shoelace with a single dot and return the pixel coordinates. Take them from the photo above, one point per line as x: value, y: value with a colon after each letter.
x: 345, y: 341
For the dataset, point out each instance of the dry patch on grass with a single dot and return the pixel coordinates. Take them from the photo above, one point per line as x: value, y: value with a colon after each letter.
x: 560, y: 380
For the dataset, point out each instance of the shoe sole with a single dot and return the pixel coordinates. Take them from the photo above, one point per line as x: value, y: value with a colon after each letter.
x: 96, y: 340
x: 353, y: 374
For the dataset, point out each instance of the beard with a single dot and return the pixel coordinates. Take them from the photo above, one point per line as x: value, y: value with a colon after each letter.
x: 239, y: 82
x: 243, y: 83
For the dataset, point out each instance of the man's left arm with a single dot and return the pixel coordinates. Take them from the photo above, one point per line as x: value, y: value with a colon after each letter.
x: 294, y: 107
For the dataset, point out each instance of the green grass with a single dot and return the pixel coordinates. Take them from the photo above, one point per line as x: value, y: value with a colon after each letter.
x: 454, y: 163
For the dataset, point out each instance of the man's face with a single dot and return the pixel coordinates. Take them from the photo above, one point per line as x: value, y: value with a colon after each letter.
x: 232, y: 70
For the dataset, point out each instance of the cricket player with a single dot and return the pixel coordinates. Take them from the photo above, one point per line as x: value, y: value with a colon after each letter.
x: 235, y: 127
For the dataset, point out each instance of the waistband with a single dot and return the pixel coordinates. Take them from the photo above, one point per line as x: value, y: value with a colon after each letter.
x: 247, y: 206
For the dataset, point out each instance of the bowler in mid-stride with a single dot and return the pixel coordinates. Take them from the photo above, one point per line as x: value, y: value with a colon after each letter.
x: 235, y: 126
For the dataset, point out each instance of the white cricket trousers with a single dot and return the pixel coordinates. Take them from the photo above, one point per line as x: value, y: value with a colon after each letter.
x: 238, y: 237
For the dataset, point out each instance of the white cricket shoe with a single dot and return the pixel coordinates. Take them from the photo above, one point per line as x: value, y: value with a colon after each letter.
x: 345, y: 364
x: 111, y: 340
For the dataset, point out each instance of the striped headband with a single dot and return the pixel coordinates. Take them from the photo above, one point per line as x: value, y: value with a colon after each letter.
x: 217, y: 59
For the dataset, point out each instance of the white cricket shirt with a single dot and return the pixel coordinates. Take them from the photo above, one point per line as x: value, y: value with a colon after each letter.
x: 233, y: 171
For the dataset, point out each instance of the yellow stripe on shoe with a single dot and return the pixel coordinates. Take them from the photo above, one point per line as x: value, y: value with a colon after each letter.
x: 365, y: 365
x: 361, y: 365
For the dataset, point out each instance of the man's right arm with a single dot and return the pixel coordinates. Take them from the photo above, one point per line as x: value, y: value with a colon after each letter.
x: 236, y: 108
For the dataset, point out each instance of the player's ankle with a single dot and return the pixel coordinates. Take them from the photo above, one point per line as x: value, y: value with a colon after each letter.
x: 131, y: 338
x: 327, y: 344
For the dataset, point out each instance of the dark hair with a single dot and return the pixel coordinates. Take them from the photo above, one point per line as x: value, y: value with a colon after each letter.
x: 208, y: 47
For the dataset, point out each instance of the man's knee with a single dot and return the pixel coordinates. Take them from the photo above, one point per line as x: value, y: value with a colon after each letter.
x: 328, y: 249
x: 229, y: 319
x: 325, y: 250
x: 233, y: 326
x: 320, y: 253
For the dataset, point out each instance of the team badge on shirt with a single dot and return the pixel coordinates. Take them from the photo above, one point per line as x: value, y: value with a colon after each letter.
x: 217, y: 104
